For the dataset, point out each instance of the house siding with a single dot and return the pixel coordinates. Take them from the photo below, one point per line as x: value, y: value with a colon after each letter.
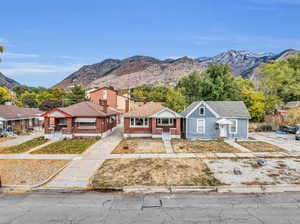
x: 211, y: 131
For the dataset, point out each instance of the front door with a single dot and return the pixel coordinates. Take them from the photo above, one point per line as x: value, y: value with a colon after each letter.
x: 223, y: 131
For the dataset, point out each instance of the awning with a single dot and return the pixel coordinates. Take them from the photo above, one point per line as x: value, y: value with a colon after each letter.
x: 86, y: 120
x: 224, y: 121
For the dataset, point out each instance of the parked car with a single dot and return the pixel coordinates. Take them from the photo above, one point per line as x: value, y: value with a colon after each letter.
x: 297, y: 136
x: 288, y: 129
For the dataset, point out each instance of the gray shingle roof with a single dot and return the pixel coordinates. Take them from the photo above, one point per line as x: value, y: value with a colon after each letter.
x: 223, y: 108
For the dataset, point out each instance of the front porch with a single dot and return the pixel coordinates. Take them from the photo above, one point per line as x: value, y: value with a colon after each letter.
x: 166, y: 128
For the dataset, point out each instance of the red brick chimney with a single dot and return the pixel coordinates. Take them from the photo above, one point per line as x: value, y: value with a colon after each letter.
x: 126, y: 106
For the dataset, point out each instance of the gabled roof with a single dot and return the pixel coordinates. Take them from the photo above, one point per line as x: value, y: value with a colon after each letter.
x: 145, y: 110
x: 107, y: 88
x: 85, y: 109
x: 292, y: 104
x: 234, y: 109
x: 14, y: 112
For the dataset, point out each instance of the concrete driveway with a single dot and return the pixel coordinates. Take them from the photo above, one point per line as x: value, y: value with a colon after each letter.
x: 20, y: 139
x: 286, y: 141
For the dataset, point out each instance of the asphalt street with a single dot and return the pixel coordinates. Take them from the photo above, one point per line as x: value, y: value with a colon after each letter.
x: 92, y: 207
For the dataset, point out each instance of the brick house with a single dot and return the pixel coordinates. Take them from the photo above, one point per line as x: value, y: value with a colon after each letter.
x: 104, y: 94
x: 14, y: 118
x: 84, y: 119
x: 152, y: 120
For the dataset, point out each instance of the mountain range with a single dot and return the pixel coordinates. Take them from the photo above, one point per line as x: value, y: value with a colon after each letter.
x: 138, y: 70
x: 7, y: 82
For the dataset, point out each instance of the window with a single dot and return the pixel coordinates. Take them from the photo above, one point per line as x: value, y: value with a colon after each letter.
x: 201, y: 126
x: 165, y: 121
x: 202, y: 111
x: 62, y: 121
x: 139, y: 122
x: 233, y: 126
x: 86, y: 125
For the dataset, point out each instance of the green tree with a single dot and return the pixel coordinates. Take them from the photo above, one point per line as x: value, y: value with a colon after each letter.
x: 191, y: 86
x: 76, y: 95
x: 28, y: 99
x: 1, y: 50
x: 150, y: 93
x: 4, y: 95
x: 175, y: 100
x: 281, y: 78
x: 255, y: 102
x: 20, y: 89
x: 216, y: 83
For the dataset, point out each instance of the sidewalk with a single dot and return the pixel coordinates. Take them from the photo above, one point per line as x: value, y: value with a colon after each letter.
x: 78, y: 173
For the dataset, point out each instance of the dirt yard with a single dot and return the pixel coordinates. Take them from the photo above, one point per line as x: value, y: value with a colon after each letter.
x: 202, y: 146
x: 139, y: 146
x: 28, y: 171
x: 153, y: 172
x: 276, y: 171
x: 259, y: 146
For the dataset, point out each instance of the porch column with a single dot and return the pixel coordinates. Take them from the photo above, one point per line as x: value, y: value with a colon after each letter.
x: 178, y: 126
x: 153, y: 124
x: 69, y: 125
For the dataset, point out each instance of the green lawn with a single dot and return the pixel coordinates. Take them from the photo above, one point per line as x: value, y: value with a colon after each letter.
x: 24, y: 147
x: 69, y: 146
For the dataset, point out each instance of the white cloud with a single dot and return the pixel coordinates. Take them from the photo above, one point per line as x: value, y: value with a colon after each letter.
x: 246, y: 42
x: 22, y: 68
x: 19, y: 55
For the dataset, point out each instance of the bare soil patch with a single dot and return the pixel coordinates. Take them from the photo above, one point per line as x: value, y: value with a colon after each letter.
x: 259, y: 146
x: 276, y: 171
x: 139, y: 146
x: 202, y: 146
x: 28, y: 171
x: 153, y: 172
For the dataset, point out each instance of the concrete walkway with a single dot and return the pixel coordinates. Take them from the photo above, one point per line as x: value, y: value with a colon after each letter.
x: 78, y: 173
x: 236, y: 145
x: 40, y: 146
x: 20, y: 139
x: 168, y: 146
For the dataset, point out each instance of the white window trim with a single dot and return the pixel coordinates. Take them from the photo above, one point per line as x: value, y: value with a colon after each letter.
x: 203, y: 126
x: 236, y: 126
x: 203, y: 111
x: 139, y: 126
x: 169, y: 124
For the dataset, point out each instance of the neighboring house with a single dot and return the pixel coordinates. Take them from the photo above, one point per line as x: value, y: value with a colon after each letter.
x: 104, y: 93
x: 84, y: 119
x: 216, y: 119
x: 292, y: 105
x: 14, y: 118
x: 152, y: 120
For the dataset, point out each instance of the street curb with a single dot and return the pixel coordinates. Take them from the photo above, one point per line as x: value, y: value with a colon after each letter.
x: 179, y: 189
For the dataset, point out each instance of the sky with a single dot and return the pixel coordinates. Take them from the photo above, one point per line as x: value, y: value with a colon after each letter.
x: 45, y: 41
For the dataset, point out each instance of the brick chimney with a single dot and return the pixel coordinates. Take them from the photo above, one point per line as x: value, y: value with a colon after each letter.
x: 103, y: 103
x: 126, y: 106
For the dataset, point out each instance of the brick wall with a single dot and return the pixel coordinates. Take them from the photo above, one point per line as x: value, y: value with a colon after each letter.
x: 111, y: 97
x: 129, y: 130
